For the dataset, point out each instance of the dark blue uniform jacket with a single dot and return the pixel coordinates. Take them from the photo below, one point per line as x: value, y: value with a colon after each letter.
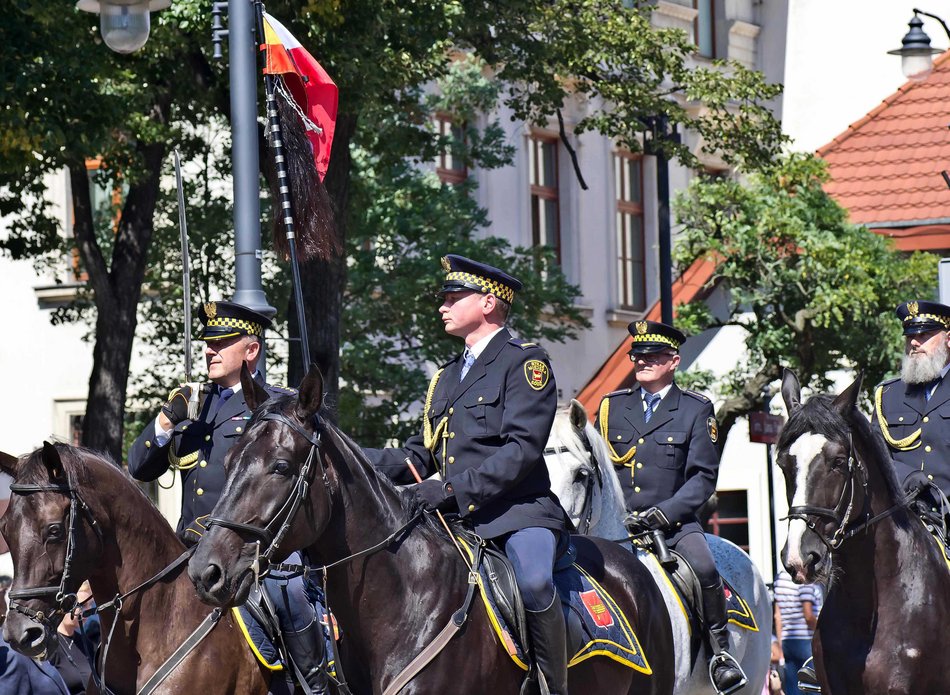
x: 490, y: 449
x: 904, y: 409
x: 199, y: 447
x: 671, y: 462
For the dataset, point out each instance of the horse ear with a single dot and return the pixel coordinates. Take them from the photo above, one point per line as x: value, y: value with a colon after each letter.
x: 8, y: 464
x: 52, y: 461
x: 577, y: 414
x: 310, y: 396
x: 254, y: 393
x: 791, y: 390
x: 848, y: 399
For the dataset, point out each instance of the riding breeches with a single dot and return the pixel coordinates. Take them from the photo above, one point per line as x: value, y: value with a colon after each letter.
x: 293, y: 599
x: 532, y: 552
x: 694, y: 548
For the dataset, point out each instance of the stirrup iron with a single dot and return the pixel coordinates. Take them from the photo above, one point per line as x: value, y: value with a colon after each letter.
x: 722, y: 657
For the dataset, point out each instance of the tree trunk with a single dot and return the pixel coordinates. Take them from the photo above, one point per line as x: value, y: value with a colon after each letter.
x: 116, y: 295
x: 323, y: 282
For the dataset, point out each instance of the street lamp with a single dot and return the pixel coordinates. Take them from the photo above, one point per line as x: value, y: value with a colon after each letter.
x: 916, y: 52
x: 124, y: 23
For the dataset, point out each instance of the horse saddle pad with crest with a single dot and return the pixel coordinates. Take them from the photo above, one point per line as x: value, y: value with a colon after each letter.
x: 595, y: 624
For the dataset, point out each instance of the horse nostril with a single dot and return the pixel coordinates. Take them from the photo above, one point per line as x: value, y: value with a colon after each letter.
x: 211, y: 577
x: 33, y: 637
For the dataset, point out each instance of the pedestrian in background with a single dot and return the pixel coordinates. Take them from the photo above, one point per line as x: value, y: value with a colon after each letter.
x: 796, y: 615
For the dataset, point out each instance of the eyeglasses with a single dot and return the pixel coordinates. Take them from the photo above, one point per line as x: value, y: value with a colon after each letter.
x: 652, y: 358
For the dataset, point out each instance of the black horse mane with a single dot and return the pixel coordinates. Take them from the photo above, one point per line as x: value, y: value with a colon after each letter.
x: 818, y: 416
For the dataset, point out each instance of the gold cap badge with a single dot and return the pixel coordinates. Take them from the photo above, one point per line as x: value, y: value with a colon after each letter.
x: 446, y: 266
x: 641, y: 327
x: 211, y: 310
x: 912, y: 308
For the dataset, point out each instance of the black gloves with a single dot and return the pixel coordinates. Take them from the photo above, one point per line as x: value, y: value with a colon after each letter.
x: 176, y: 408
x: 432, y: 495
x: 915, y: 482
x: 650, y: 520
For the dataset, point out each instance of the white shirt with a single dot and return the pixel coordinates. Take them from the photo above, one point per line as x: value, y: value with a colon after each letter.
x: 479, y: 347
x: 662, y: 393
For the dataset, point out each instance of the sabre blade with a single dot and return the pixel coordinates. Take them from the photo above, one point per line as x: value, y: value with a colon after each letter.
x: 185, y: 265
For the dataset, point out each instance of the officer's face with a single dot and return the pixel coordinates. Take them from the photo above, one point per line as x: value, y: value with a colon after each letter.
x: 925, y: 345
x: 465, y: 312
x: 225, y: 357
x: 655, y: 369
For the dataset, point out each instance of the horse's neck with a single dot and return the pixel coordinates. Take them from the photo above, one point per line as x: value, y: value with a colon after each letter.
x: 613, y: 507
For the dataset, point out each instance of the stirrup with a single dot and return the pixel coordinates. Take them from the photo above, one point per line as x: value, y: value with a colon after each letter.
x: 808, y: 684
x: 722, y: 657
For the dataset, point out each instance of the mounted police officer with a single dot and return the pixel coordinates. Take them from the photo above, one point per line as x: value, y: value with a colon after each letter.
x: 487, y: 417
x: 663, y: 442
x: 913, y: 412
x: 193, y: 433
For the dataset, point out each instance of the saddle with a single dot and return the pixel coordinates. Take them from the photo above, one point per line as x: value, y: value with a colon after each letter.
x: 596, y: 626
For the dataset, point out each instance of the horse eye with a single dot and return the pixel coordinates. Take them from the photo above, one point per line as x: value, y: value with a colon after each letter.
x: 282, y: 466
x: 581, y: 476
x: 838, y: 463
x: 54, y: 532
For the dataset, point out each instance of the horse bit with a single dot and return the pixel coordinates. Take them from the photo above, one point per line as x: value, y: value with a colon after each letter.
x: 65, y: 601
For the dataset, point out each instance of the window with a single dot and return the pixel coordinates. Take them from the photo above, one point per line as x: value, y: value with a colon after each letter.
x: 631, y: 245
x: 545, y: 216
x: 450, y: 169
x: 704, y: 28
x: 731, y: 518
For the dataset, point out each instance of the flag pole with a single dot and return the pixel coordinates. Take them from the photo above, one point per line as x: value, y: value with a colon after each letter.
x: 283, y: 190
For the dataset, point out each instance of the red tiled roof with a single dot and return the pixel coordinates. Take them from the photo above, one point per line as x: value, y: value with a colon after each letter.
x: 886, y: 167
x: 617, y: 371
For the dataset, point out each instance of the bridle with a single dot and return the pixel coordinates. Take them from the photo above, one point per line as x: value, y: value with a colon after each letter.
x: 587, y: 511
x: 842, y: 518
x: 64, y: 600
x: 296, y: 496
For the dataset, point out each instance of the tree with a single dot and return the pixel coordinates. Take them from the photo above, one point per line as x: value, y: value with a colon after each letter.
x: 810, y: 290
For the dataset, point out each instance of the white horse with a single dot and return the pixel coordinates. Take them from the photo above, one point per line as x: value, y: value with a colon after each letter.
x: 586, y: 483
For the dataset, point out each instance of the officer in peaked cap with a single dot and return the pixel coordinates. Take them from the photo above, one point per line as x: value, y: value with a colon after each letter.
x: 662, y: 440
x: 494, y: 473
x: 911, y: 411
x: 193, y: 433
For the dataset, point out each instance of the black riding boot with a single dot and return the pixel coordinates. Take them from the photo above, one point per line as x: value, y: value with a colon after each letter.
x: 307, y: 648
x: 549, y: 640
x: 807, y: 678
x: 724, y: 671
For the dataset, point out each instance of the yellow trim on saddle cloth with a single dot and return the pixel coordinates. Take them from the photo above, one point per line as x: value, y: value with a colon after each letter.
x: 899, y: 444
x: 431, y: 436
x: 602, y: 417
x: 247, y: 637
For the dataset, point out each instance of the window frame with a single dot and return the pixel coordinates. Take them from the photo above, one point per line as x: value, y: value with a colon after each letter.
x: 624, y: 210
x: 542, y: 192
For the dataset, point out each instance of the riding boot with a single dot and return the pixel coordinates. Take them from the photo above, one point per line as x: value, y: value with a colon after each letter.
x: 307, y: 648
x: 807, y: 678
x: 549, y: 640
x: 724, y: 670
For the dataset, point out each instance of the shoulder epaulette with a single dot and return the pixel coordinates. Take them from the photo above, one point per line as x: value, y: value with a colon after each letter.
x: 523, y: 344
x: 888, y: 382
x: 283, y: 389
x: 618, y: 392
x: 698, y: 396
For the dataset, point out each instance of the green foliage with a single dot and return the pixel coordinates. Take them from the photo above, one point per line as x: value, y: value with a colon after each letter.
x: 812, y: 291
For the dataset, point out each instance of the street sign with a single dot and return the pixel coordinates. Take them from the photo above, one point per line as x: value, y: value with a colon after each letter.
x: 764, y: 427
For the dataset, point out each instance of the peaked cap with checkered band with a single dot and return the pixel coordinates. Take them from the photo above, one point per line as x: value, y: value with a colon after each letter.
x: 653, y: 336
x: 465, y: 274
x: 920, y: 316
x: 221, y: 320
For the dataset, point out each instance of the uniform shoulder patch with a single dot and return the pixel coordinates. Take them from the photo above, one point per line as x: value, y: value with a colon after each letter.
x: 698, y: 396
x: 618, y: 392
x: 537, y: 373
x: 712, y: 429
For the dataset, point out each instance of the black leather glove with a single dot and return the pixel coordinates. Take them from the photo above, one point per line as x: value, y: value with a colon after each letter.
x: 433, y: 495
x: 915, y: 482
x: 176, y: 407
x: 650, y: 520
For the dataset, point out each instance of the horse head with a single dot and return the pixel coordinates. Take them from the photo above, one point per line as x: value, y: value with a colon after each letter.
x: 825, y: 482
x: 55, y: 542
x: 581, y: 475
x: 278, y: 495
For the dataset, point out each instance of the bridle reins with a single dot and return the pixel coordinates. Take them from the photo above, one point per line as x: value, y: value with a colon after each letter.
x: 64, y: 599
x: 587, y: 510
x: 846, y: 499
x: 298, y: 492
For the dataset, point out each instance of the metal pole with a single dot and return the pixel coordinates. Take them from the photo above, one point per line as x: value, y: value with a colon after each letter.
x: 243, y: 47
x: 666, y: 244
x: 772, y: 534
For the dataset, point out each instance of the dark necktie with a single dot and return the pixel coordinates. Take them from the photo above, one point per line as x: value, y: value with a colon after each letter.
x: 651, y: 400
x: 931, y: 387
x: 468, y: 359
x: 223, y: 396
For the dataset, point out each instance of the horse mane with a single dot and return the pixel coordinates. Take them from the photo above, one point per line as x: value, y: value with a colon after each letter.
x: 818, y: 416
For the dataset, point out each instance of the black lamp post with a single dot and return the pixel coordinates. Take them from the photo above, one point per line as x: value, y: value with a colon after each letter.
x: 916, y: 52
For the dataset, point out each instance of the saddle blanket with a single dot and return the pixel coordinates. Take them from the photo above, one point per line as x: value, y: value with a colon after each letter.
x: 738, y: 609
x: 596, y: 626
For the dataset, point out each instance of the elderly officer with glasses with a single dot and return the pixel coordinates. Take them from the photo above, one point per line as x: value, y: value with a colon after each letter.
x: 662, y: 440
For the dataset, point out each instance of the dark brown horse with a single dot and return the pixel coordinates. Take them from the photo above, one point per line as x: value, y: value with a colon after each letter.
x: 390, y: 603
x: 882, y: 628
x: 75, y: 516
